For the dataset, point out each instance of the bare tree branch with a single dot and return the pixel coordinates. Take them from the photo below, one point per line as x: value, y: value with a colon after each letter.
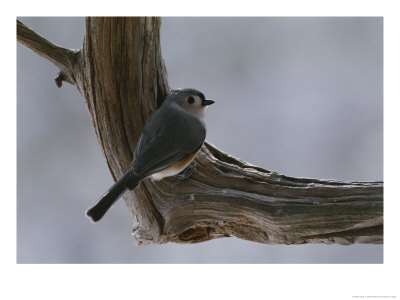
x: 122, y: 76
x: 65, y: 59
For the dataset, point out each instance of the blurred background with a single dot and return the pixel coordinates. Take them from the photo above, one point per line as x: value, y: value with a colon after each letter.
x: 299, y: 96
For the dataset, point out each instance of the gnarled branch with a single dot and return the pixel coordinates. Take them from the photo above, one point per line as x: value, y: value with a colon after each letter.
x: 65, y: 59
x: 121, y: 74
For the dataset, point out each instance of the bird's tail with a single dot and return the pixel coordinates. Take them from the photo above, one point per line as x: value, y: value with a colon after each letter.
x: 97, y: 211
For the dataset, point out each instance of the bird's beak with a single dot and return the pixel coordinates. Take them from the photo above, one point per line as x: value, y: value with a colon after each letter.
x: 207, y: 102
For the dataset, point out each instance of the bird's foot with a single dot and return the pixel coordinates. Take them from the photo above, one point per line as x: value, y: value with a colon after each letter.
x: 185, y: 174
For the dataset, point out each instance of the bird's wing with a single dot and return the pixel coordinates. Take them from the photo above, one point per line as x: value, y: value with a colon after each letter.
x: 167, y: 140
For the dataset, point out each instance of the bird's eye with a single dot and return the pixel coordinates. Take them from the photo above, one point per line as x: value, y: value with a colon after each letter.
x: 191, y: 100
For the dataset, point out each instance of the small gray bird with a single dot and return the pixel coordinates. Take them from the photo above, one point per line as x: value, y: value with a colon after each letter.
x: 170, y: 140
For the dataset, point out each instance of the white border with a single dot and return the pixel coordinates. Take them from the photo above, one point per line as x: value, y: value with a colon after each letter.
x: 200, y: 281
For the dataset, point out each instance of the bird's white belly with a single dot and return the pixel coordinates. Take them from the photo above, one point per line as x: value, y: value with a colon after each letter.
x: 174, y: 169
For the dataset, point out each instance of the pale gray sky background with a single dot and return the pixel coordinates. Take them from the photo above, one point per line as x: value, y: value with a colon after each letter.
x: 300, y: 96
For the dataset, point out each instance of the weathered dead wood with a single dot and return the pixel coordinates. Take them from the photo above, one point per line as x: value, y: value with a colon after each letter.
x: 66, y: 60
x: 121, y: 74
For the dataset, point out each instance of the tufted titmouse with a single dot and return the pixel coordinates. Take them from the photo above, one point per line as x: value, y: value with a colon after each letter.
x: 170, y: 140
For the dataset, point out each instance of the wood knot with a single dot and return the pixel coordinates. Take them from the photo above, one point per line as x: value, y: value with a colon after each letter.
x: 196, y: 234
